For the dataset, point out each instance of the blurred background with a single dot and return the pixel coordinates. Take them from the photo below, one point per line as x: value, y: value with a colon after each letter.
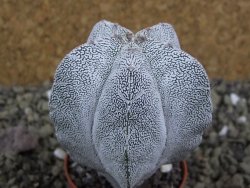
x: 36, y: 35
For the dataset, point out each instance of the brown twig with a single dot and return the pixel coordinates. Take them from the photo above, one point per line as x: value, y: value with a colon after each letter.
x: 185, y: 174
x: 66, y: 173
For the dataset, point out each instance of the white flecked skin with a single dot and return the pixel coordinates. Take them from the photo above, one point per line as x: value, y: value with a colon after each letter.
x: 124, y: 103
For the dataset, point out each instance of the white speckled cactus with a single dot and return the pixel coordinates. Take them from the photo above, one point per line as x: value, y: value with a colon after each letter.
x: 124, y: 103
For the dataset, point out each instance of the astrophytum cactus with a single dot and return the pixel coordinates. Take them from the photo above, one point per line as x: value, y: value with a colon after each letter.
x: 124, y: 104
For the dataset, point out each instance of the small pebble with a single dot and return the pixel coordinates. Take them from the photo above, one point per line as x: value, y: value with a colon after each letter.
x: 242, y: 119
x: 234, y: 98
x: 46, y: 130
x: 56, y: 170
x: 237, y: 181
x: 223, y: 131
x: 245, y: 167
x: 199, y: 185
x: 59, y: 153
x: 247, y: 151
x: 166, y: 168
x: 48, y: 93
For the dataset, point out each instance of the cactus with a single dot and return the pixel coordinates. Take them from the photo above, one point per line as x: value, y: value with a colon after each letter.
x: 124, y: 104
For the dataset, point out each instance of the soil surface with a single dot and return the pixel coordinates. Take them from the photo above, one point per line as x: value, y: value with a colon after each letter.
x: 27, y: 156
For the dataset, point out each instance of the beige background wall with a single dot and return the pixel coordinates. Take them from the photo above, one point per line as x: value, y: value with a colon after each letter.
x: 35, y: 35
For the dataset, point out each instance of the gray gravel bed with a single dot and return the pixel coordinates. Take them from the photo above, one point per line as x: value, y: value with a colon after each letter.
x: 27, y: 143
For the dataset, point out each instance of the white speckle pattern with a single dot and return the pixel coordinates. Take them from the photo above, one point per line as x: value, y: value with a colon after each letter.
x: 125, y: 104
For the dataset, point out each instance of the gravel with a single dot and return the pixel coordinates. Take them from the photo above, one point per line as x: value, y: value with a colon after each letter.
x: 221, y: 161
